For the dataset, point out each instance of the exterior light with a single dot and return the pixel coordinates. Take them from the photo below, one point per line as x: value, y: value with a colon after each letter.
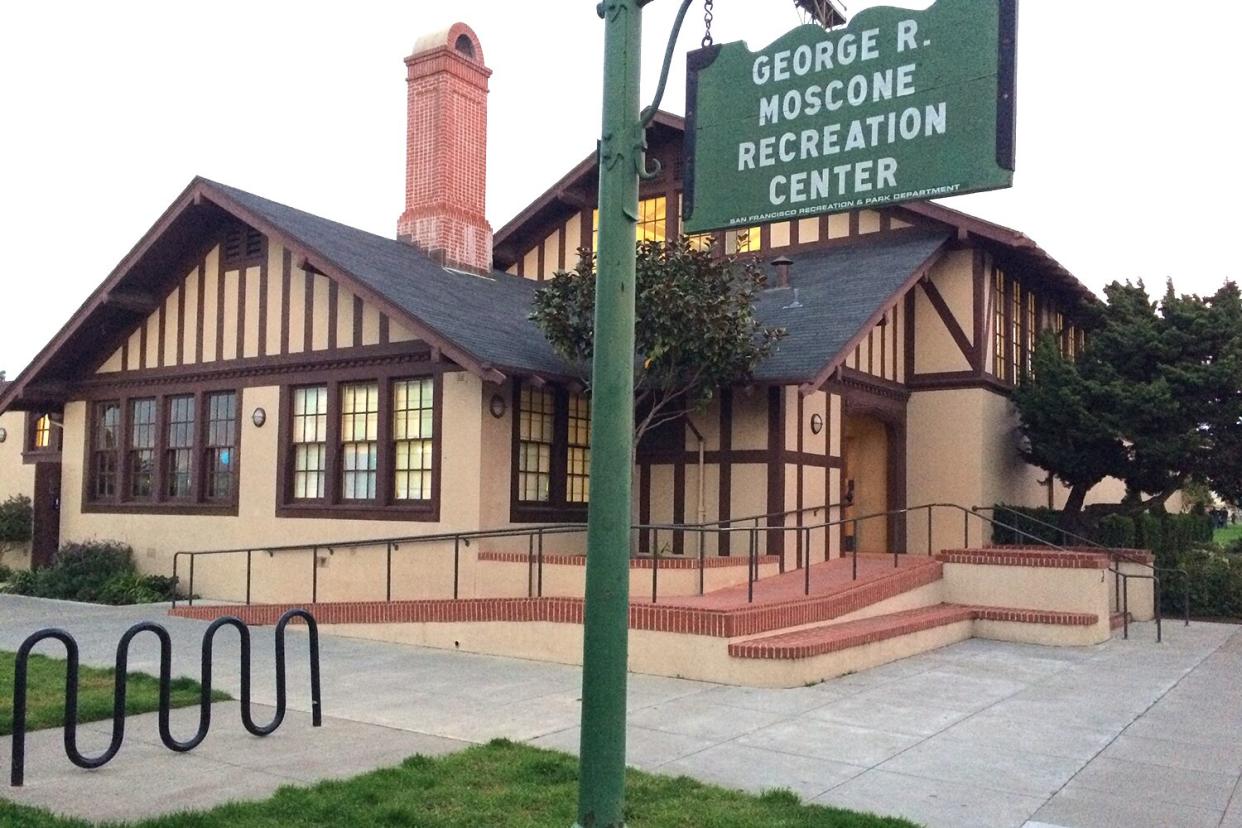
x: 4, y: 434
x: 259, y: 417
x: 817, y: 423
x: 497, y: 406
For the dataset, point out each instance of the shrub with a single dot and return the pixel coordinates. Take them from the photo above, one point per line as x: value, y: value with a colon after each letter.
x: 6, y: 574
x: 1024, y: 525
x: 96, y: 571
x: 1116, y: 531
x: 16, y: 520
x: 1215, y: 580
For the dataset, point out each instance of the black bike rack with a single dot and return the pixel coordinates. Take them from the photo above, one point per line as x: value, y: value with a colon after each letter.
x: 18, y: 771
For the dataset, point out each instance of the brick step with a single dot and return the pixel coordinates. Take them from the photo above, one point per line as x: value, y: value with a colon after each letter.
x: 833, y: 638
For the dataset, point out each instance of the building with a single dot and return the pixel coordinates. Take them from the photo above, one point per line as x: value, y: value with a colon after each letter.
x: 251, y: 375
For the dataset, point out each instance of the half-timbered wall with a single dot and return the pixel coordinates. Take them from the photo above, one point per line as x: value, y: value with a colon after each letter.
x: 264, y: 306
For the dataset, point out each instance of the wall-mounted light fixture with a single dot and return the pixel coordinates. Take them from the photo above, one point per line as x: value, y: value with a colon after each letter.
x: 4, y: 434
x: 817, y: 423
x: 497, y: 406
x: 259, y: 417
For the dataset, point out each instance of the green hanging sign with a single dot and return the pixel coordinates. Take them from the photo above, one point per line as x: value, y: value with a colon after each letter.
x: 898, y: 106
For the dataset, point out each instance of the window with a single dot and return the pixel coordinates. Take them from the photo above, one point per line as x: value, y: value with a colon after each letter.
x: 310, y: 441
x: 1032, y: 329
x: 536, y: 414
x: 742, y: 240
x: 652, y: 221
x: 106, y: 441
x: 1015, y: 331
x: 412, y: 433
x: 179, y: 449
x: 578, y: 467
x: 221, y: 447
x: 364, y: 447
x: 998, y: 325
x: 42, y: 438
x: 141, y: 448
x: 551, y: 454
x: 359, y: 440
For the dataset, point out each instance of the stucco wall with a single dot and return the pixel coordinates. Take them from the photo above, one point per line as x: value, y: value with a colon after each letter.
x: 16, y: 478
x: 156, y: 537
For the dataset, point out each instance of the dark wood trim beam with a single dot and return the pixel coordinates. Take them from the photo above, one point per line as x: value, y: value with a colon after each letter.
x: 950, y: 321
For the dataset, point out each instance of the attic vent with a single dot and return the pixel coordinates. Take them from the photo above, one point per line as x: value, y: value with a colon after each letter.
x: 241, y: 243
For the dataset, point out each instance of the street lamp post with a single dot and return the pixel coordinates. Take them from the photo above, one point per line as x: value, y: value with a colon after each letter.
x: 601, y: 793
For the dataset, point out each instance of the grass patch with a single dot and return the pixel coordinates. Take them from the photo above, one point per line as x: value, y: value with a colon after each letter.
x: 45, y: 693
x: 1228, y: 534
x: 500, y: 783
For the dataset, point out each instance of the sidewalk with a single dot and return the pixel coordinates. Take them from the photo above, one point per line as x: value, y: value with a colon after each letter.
x: 982, y: 733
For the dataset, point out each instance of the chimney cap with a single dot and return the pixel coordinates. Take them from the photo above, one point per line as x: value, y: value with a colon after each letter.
x: 458, y: 38
x: 782, y: 264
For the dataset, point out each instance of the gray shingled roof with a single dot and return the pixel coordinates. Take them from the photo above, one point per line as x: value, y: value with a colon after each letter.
x: 484, y: 315
x: 833, y: 293
x: 837, y: 291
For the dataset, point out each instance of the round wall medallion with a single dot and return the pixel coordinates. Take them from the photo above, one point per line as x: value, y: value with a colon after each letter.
x: 497, y: 406
x: 817, y: 423
x: 259, y: 417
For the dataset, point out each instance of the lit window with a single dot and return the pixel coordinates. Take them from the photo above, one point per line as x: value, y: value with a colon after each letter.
x: 578, y: 474
x: 652, y: 221
x: 43, y: 432
x: 105, y: 443
x: 221, y: 449
x: 412, y: 438
x: 742, y: 240
x: 359, y: 440
x: 998, y: 325
x: 310, y: 441
x: 179, y: 453
x: 141, y: 448
x: 535, y: 423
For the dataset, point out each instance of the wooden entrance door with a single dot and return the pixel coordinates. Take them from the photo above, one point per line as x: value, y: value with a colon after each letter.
x: 46, y: 539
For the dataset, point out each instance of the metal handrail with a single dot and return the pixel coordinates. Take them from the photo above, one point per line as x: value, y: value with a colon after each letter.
x: 391, y: 544
x: 1115, y: 555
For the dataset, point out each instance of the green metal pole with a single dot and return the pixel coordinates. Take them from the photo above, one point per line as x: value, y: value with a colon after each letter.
x: 601, y: 786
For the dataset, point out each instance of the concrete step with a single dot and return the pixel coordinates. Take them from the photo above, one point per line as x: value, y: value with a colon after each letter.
x: 837, y: 637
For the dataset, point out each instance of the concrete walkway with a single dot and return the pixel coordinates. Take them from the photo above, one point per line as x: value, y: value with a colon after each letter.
x: 977, y: 734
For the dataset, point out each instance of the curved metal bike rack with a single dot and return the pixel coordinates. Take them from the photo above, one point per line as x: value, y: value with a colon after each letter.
x: 17, y: 772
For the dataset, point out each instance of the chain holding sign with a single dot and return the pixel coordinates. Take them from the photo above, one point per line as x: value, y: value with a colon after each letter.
x: 898, y: 106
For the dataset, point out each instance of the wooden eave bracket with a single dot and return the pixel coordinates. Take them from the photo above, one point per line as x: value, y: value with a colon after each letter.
x: 131, y: 300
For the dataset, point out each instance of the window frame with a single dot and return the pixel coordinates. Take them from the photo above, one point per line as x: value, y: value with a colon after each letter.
x: 160, y: 502
x: 32, y: 453
x: 558, y: 507
x: 385, y: 505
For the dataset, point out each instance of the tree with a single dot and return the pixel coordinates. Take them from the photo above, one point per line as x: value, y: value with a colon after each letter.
x: 1059, y: 417
x: 1155, y: 398
x: 695, y: 327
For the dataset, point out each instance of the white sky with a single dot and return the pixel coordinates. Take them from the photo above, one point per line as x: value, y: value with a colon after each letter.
x: 1128, y: 128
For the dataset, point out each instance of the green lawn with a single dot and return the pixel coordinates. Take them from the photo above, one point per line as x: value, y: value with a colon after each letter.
x: 45, y: 699
x: 1228, y: 534
x: 500, y: 784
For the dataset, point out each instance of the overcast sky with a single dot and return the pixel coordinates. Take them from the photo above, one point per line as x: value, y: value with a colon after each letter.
x: 1127, y: 124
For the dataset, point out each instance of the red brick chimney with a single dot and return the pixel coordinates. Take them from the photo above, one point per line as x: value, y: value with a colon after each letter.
x: 446, y: 150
